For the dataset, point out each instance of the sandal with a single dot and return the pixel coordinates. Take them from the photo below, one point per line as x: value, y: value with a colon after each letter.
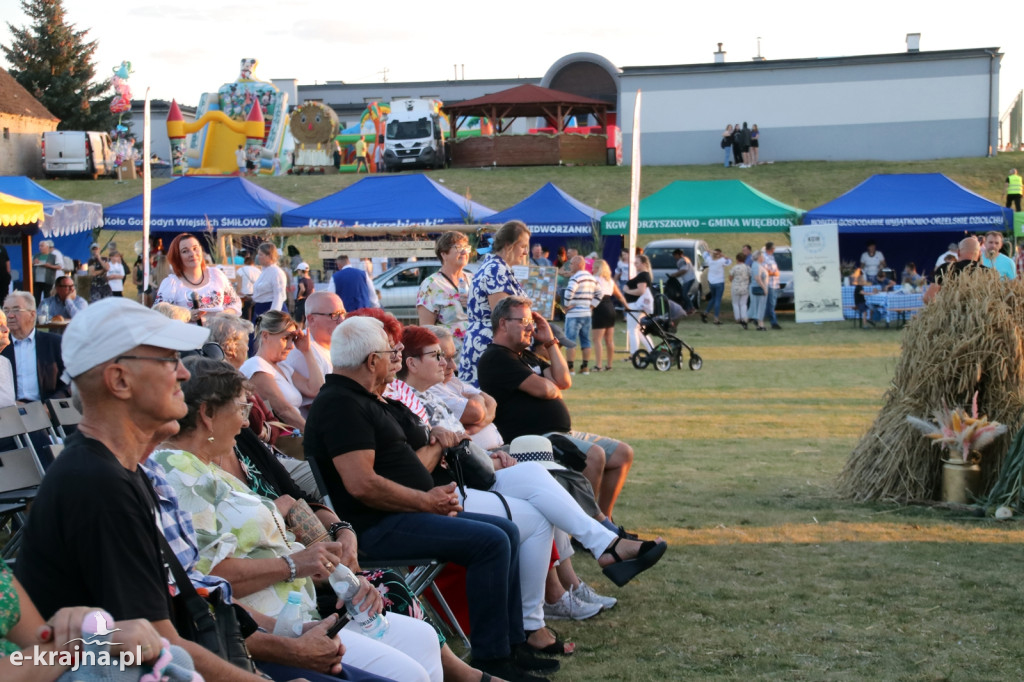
x: 596, y: 368
x: 624, y: 570
x: 607, y: 368
x: 556, y: 648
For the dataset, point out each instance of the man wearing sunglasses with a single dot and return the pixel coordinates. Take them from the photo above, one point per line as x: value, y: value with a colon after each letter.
x: 65, y: 303
x: 324, y: 312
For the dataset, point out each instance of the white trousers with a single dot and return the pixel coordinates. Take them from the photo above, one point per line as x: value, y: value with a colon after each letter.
x: 634, y: 337
x: 409, y: 651
x: 538, y: 504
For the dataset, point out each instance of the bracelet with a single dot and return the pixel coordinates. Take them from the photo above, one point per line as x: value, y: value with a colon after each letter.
x: 291, y: 568
x: 338, y: 527
x: 548, y: 344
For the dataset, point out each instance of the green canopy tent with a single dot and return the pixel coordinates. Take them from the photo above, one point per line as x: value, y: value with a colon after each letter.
x: 705, y: 206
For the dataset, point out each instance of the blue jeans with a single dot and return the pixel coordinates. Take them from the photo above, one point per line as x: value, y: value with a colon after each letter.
x: 488, y: 546
x: 577, y: 330
x: 728, y: 155
x: 717, y: 290
x: 773, y: 295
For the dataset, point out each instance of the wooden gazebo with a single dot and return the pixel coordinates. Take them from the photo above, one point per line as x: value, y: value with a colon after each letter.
x: 500, y: 109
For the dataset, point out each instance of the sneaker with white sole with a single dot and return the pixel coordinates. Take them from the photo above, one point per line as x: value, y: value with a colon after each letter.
x: 570, y: 607
x: 586, y: 594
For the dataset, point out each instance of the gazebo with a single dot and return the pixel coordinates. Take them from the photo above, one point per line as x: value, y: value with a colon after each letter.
x: 542, y: 149
x: 22, y: 218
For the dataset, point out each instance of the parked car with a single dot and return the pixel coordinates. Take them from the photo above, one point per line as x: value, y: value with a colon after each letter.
x: 398, y: 286
x: 77, y: 152
x: 784, y: 259
x: 663, y: 262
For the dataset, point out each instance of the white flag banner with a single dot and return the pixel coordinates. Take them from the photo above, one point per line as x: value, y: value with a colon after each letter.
x: 634, y: 188
x: 817, y: 284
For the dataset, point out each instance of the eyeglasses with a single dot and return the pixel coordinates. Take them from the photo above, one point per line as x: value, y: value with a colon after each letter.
x: 175, y: 359
x: 243, y: 408
x: 65, y: 286
x: 522, y: 320
x: 15, y: 311
x: 436, y: 354
x: 335, y: 316
x: 451, y: 358
x: 460, y: 249
x: 394, y: 353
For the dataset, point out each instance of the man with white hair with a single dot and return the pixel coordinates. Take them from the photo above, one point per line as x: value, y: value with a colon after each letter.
x: 35, y: 356
x: 324, y: 312
x: 378, y: 483
x: 46, y: 268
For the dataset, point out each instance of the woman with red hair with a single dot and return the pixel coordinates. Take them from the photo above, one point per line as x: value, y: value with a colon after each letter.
x: 193, y: 285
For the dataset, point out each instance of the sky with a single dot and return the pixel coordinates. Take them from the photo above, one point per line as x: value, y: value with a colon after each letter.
x: 180, y: 50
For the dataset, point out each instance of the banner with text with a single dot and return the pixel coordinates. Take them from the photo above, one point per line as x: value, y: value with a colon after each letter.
x: 816, y: 279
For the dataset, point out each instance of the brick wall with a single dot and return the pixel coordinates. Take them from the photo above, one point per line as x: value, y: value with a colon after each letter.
x: 529, y: 150
x: 21, y: 144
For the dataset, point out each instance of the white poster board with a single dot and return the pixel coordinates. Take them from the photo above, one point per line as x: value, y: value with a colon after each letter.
x: 817, y: 284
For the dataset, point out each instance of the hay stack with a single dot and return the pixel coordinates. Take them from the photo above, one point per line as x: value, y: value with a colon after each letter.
x: 969, y: 339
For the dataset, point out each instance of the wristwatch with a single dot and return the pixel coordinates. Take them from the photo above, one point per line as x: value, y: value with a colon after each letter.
x: 552, y: 342
x: 338, y: 527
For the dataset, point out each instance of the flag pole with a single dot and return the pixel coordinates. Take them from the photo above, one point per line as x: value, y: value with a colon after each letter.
x: 147, y: 187
x: 634, y: 188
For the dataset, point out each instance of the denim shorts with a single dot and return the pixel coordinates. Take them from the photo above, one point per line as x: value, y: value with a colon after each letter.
x: 578, y: 327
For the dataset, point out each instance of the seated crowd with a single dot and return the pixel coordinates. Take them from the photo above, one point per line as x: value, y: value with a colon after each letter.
x: 173, y: 492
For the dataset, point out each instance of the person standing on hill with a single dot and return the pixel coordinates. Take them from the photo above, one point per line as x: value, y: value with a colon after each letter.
x: 361, y: 154
x: 745, y: 145
x: 737, y: 146
x: 1014, y: 185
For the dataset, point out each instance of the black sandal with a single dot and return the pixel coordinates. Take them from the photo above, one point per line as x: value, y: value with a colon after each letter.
x: 557, y: 648
x: 624, y: 570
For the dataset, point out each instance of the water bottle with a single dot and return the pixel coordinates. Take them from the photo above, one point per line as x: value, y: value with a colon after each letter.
x: 345, y: 585
x: 289, y: 621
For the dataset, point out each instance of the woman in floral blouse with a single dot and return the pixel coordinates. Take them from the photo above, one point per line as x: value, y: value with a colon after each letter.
x: 443, y: 296
x: 491, y: 283
x: 192, y: 284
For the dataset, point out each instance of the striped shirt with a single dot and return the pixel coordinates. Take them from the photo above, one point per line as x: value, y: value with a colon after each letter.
x: 581, y: 295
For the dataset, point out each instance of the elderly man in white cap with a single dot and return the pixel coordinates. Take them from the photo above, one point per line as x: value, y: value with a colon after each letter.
x: 92, y: 536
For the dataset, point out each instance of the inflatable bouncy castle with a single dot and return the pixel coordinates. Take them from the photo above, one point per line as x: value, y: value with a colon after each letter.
x: 225, y: 122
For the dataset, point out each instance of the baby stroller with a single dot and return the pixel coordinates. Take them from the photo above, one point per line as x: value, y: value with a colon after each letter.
x: 658, y: 329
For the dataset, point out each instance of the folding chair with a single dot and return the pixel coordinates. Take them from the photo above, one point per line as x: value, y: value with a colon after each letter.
x: 19, y: 482
x: 65, y: 413
x: 37, y: 421
x: 420, y: 573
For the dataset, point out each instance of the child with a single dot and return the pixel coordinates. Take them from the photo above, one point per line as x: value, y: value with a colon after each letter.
x: 862, y: 305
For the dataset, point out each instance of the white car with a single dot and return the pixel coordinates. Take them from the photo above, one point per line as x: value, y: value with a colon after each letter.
x: 397, y: 287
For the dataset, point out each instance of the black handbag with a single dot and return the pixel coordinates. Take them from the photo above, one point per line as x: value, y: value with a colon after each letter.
x: 566, y: 453
x: 210, y: 622
x: 470, y: 468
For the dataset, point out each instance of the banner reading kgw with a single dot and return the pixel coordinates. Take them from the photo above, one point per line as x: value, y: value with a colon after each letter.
x: 816, y: 279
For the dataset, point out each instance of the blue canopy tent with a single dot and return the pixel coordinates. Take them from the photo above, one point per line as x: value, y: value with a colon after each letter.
x: 196, y: 203
x: 68, y: 223
x: 910, y: 217
x: 388, y: 201
x: 554, y: 218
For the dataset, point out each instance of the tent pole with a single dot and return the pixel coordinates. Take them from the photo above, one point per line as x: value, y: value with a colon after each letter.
x: 27, y: 271
x: 147, y: 189
x: 634, y: 188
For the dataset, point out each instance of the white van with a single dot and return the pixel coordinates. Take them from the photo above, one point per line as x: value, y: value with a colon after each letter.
x: 77, y: 152
x: 413, y: 137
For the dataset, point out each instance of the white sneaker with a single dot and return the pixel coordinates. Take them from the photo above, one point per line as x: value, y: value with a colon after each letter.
x: 570, y: 607
x: 586, y: 594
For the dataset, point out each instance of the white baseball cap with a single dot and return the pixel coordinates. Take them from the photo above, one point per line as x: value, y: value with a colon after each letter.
x: 114, y: 325
x: 302, y: 266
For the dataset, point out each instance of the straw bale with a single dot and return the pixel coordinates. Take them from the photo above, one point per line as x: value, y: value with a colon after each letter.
x: 969, y: 339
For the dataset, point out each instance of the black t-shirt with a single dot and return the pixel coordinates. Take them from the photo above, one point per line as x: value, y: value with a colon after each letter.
x: 642, y: 276
x: 92, y: 538
x: 4, y: 275
x: 947, y: 272
x: 501, y: 370
x: 345, y: 417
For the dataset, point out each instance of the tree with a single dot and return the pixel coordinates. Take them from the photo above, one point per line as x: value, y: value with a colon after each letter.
x: 54, y: 62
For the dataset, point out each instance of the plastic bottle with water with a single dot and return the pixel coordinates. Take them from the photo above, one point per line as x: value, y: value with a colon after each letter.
x: 345, y: 585
x: 289, y: 621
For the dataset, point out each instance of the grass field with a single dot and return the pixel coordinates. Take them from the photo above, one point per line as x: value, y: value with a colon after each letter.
x: 770, y: 576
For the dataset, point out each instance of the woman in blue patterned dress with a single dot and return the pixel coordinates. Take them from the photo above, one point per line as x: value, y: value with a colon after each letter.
x: 491, y: 283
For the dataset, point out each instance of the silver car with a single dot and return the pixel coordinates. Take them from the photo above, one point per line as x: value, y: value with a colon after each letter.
x: 398, y: 287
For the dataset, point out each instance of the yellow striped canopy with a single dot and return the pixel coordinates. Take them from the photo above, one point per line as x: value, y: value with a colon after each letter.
x: 15, y: 211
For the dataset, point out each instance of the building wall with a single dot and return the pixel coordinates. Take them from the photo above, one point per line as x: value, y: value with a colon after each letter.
x: 21, y: 140
x: 912, y: 106
x: 158, y: 111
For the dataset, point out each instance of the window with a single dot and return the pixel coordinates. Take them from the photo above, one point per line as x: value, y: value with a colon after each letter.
x: 7, y: 133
